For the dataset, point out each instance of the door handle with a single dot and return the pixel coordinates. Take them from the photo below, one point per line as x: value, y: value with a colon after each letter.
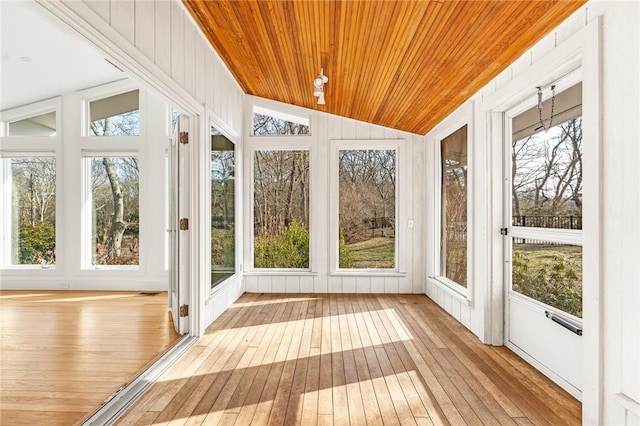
x: 564, y: 322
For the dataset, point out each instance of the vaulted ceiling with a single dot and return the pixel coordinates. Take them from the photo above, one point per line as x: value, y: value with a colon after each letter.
x: 400, y: 64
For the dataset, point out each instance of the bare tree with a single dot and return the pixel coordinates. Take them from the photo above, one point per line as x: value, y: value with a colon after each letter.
x: 124, y: 124
x: 547, y: 171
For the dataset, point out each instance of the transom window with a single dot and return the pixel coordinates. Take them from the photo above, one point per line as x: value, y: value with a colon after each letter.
x: 267, y: 122
x: 39, y: 125
x: 117, y: 115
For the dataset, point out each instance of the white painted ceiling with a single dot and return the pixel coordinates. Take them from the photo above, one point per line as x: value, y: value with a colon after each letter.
x: 60, y: 61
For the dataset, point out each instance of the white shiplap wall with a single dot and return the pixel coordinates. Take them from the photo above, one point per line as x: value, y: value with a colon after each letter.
x: 608, y: 40
x: 327, y: 128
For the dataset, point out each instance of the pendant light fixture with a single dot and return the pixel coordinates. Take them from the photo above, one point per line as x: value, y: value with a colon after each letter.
x: 318, y: 86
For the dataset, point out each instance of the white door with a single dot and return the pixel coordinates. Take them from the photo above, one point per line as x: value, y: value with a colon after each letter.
x: 543, y: 234
x: 178, y: 241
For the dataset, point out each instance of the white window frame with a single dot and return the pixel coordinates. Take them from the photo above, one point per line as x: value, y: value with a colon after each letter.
x: 292, y: 143
x: 238, y: 212
x: 572, y: 237
x: 30, y: 111
x: 28, y: 146
x: 282, y: 112
x: 440, y: 277
x: 106, y: 91
x: 87, y: 212
x: 7, y: 205
x: 337, y: 145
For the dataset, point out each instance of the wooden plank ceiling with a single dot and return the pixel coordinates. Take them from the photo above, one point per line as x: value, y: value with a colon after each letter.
x: 400, y: 64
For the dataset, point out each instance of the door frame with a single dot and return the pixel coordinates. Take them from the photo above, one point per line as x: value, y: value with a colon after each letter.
x: 84, y: 22
x: 581, y: 50
x: 562, y: 236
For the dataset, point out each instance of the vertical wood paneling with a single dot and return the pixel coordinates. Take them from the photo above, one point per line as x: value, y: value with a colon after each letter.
x: 363, y: 131
x: 162, y: 32
x: 418, y: 215
x: 210, y: 79
x: 377, y: 285
x: 348, y: 129
x: 101, y: 8
x: 377, y: 132
x: 145, y: 31
x: 335, y: 285
x: 348, y: 284
x: 292, y: 284
x: 264, y: 284
x: 123, y: 14
x: 306, y: 285
x: 189, y: 58
x: 404, y: 285
x: 335, y: 127
x: 391, y: 285
x: 201, y: 83
x: 278, y: 285
x: 177, y: 43
x: 251, y: 283
x: 363, y: 284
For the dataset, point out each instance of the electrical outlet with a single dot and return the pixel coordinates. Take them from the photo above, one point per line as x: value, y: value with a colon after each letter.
x: 410, y: 224
x: 65, y: 285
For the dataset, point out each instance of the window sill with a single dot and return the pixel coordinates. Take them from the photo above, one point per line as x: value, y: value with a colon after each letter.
x: 453, y: 289
x: 22, y: 269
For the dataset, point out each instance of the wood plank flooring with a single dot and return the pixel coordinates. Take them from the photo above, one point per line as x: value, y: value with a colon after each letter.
x: 62, y: 353
x: 348, y: 359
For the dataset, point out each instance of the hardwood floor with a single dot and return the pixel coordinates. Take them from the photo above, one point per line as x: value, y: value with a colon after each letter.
x: 348, y: 359
x: 62, y: 353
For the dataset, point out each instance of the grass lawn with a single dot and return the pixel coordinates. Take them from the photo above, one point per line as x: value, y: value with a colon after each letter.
x: 375, y: 253
x: 545, y: 254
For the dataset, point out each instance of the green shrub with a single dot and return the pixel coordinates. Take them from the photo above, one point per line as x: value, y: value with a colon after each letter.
x: 554, y: 283
x: 289, y: 249
x: 345, y: 256
x: 37, y: 243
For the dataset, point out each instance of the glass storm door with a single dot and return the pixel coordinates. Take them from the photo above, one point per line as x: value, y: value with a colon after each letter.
x: 543, y: 236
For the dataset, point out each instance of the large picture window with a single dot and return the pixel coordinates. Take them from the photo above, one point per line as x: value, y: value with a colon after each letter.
x: 223, y: 216
x: 281, y: 209
x: 115, y: 210
x: 453, y: 230
x: 29, y: 192
x: 367, y: 209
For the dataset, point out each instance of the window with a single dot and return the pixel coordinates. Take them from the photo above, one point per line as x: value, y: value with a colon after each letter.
x: 281, y: 209
x: 115, y: 210
x: 29, y: 195
x: 453, y: 229
x: 40, y: 125
x: 223, y: 222
x: 117, y: 115
x: 274, y: 123
x: 367, y: 209
x: 546, y: 202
